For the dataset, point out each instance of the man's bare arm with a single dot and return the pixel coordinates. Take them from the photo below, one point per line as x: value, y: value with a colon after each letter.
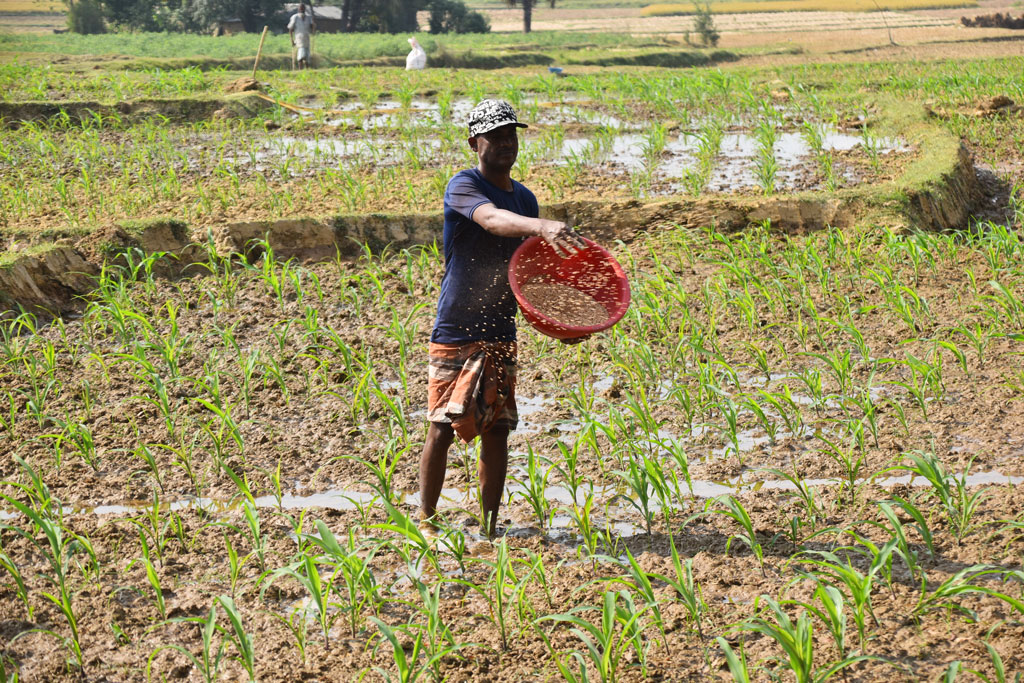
x: 508, y: 224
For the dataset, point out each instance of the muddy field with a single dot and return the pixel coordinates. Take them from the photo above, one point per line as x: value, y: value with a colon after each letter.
x: 389, y: 145
x: 305, y: 399
x: 211, y: 469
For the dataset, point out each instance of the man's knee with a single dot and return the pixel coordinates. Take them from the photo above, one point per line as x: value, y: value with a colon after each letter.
x: 441, y: 431
x: 495, y: 438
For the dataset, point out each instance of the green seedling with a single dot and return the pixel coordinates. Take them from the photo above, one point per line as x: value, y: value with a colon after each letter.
x: 298, y: 625
x: 804, y: 494
x: 638, y: 480
x: 607, y: 642
x: 209, y: 662
x: 851, y: 459
x: 827, y: 567
x: 239, y: 637
x: 796, y: 638
x: 735, y: 511
x: 235, y: 564
x: 59, y: 548
x: 688, y: 591
x: 534, y: 489
x: 408, y: 660
x: 152, y: 576
x: 963, y: 582
x: 640, y: 582
x: 998, y: 668
x: 358, y: 583
x: 10, y: 568
x: 500, y: 589
x: 832, y: 612
x: 737, y: 663
x: 958, y: 504
x: 307, y: 573
x: 566, y: 466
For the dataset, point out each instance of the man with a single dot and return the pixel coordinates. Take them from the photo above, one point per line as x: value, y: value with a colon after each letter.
x: 472, y: 374
x: 300, y: 30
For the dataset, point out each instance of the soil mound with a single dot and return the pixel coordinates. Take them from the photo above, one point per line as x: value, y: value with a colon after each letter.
x: 999, y: 104
x: 243, y: 84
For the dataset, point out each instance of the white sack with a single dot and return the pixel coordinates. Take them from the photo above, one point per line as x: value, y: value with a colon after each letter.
x: 417, y: 59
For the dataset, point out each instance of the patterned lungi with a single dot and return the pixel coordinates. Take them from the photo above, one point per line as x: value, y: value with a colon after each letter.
x: 472, y: 386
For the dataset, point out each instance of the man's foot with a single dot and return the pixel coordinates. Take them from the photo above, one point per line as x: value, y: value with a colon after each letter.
x: 428, y: 529
x: 483, y: 548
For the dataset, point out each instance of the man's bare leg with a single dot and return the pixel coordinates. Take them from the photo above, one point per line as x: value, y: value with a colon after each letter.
x: 433, y: 463
x: 493, y: 467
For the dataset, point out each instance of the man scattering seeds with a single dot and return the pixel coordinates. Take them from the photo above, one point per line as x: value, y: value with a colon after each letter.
x: 472, y: 374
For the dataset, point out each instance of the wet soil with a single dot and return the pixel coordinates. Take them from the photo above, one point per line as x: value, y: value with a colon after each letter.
x: 324, y: 379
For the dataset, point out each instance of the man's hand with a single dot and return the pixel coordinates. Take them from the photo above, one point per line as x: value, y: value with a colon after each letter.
x: 561, y: 237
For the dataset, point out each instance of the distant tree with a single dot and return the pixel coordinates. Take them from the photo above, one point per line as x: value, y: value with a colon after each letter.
x: 704, y: 24
x: 85, y: 16
x: 199, y: 16
x: 138, y: 15
x: 452, y: 16
x: 350, y: 14
x: 196, y: 16
x: 382, y: 16
x: 390, y: 16
x: 527, y: 11
x: 474, y: 22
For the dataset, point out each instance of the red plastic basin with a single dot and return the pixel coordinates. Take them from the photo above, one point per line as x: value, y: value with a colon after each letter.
x: 592, y: 270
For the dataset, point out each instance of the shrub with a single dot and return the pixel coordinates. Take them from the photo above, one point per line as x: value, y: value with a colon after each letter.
x: 474, y: 22
x: 704, y: 24
x: 86, y: 16
x: 452, y: 16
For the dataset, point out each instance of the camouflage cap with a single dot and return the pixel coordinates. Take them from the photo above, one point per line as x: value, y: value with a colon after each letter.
x: 491, y: 114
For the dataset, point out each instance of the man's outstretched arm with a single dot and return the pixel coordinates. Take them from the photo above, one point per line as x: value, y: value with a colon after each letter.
x: 506, y: 223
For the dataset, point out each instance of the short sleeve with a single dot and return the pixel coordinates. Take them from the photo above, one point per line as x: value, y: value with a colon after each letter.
x: 291, y: 22
x: 464, y: 196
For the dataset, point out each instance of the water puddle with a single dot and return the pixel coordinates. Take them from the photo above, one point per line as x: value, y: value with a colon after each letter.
x: 528, y: 406
x: 454, y: 498
x: 733, y: 168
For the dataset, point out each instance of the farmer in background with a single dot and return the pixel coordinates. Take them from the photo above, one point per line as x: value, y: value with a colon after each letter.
x: 300, y: 30
x: 472, y: 373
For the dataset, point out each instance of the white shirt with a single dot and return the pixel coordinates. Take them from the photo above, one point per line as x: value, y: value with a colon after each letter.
x: 302, y: 24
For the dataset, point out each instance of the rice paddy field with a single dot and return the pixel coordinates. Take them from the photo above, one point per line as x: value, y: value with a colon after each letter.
x: 798, y: 456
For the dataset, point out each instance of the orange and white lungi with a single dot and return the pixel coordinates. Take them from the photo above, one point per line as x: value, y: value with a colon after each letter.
x: 472, y: 386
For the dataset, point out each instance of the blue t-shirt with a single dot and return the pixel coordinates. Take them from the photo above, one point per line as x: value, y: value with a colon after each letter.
x: 476, y: 302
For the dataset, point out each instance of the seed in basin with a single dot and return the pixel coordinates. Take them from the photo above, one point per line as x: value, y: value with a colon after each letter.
x: 563, y: 303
